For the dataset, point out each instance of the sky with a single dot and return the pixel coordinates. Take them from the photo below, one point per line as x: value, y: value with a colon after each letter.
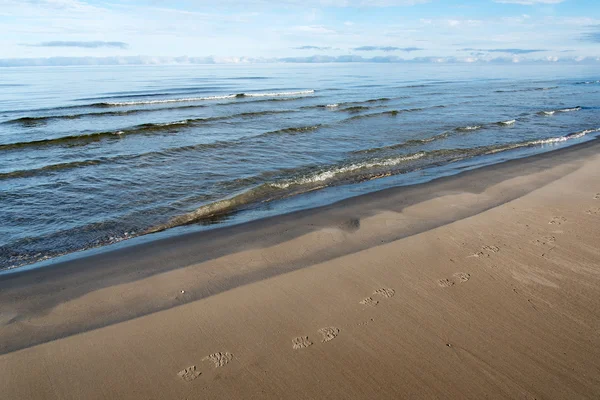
x: 300, y: 30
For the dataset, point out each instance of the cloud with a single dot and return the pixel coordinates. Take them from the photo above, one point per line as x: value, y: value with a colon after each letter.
x: 311, y: 48
x: 529, y: 2
x: 387, y: 48
x: 184, y: 60
x: 509, y: 51
x: 84, y: 45
x: 592, y: 36
x: 313, y: 29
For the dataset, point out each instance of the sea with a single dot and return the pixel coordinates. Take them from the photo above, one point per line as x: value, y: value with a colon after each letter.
x: 96, y: 157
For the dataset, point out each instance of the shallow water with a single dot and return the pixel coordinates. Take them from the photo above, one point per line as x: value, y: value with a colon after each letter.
x: 90, y: 156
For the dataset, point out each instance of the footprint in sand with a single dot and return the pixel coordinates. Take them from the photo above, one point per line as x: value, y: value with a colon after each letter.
x: 445, y: 282
x: 557, y: 221
x: 462, y: 276
x: 301, y: 342
x: 219, y: 359
x: 593, y: 211
x: 597, y: 196
x: 189, y: 374
x: 329, y: 333
x: 369, y: 302
x: 385, y: 293
x: 366, y: 322
x: 545, y: 241
x: 487, y: 251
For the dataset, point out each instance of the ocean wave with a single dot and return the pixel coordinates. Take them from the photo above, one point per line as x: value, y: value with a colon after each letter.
x: 173, y: 151
x: 506, y: 123
x: 293, y: 130
x: 468, y: 128
x: 532, y: 143
x: 138, y: 129
x: 393, y: 113
x: 88, y: 138
x: 525, y: 89
x: 563, y: 110
x: 349, y: 104
x: 43, y: 119
x: 194, y: 99
x: 331, y: 173
x: 355, y: 109
x: 340, y: 174
x: 48, y: 169
x: 273, y: 191
x: 587, y: 83
x: 408, y: 143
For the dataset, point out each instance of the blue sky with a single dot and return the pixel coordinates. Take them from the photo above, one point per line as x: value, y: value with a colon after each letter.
x: 262, y: 30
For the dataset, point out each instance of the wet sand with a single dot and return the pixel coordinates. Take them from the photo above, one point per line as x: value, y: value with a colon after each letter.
x: 481, y: 285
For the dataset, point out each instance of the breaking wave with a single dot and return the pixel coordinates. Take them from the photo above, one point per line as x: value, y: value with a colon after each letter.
x: 331, y: 175
x: 468, y: 128
x: 194, y: 99
x: 563, y: 110
x: 506, y: 123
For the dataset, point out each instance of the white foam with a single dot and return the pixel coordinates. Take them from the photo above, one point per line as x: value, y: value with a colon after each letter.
x: 510, y: 122
x: 560, y: 139
x: 326, y: 175
x: 570, y: 109
x: 183, y: 122
x: 275, y: 94
x: 332, y: 105
x: 193, y: 99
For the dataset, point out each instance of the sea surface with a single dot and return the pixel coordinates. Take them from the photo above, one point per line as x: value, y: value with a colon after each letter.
x: 91, y: 156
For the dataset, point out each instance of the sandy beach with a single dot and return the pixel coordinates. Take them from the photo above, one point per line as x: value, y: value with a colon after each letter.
x: 483, y: 285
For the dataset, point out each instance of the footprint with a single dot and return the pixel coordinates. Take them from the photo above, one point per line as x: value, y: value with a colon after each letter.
x: 189, y: 374
x: 593, y: 211
x: 445, y: 283
x: 462, y: 276
x: 386, y: 293
x: 557, y: 220
x: 366, y: 322
x: 597, y: 196
x: 546, y: 240
x: 369, y: 302
x: 301, y: 342
x: 219, y: 359
x: 329, y: 333
x: 487, y: 251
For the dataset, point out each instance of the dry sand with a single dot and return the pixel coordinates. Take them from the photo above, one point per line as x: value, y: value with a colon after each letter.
x: 481, y: 286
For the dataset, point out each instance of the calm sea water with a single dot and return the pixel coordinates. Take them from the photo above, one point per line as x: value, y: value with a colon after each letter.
x: 91, y: 156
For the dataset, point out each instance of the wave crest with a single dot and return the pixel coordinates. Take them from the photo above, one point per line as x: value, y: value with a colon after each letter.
x: 194, y: 99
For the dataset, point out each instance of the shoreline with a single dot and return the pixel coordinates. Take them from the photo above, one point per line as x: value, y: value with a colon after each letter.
x: 478, y: 285
x: 38, y: 291
x: 147, y: 240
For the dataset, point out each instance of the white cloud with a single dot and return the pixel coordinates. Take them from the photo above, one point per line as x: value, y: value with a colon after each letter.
x: 149, y: 60
x: 314, y: 29
x: 529, y: 2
